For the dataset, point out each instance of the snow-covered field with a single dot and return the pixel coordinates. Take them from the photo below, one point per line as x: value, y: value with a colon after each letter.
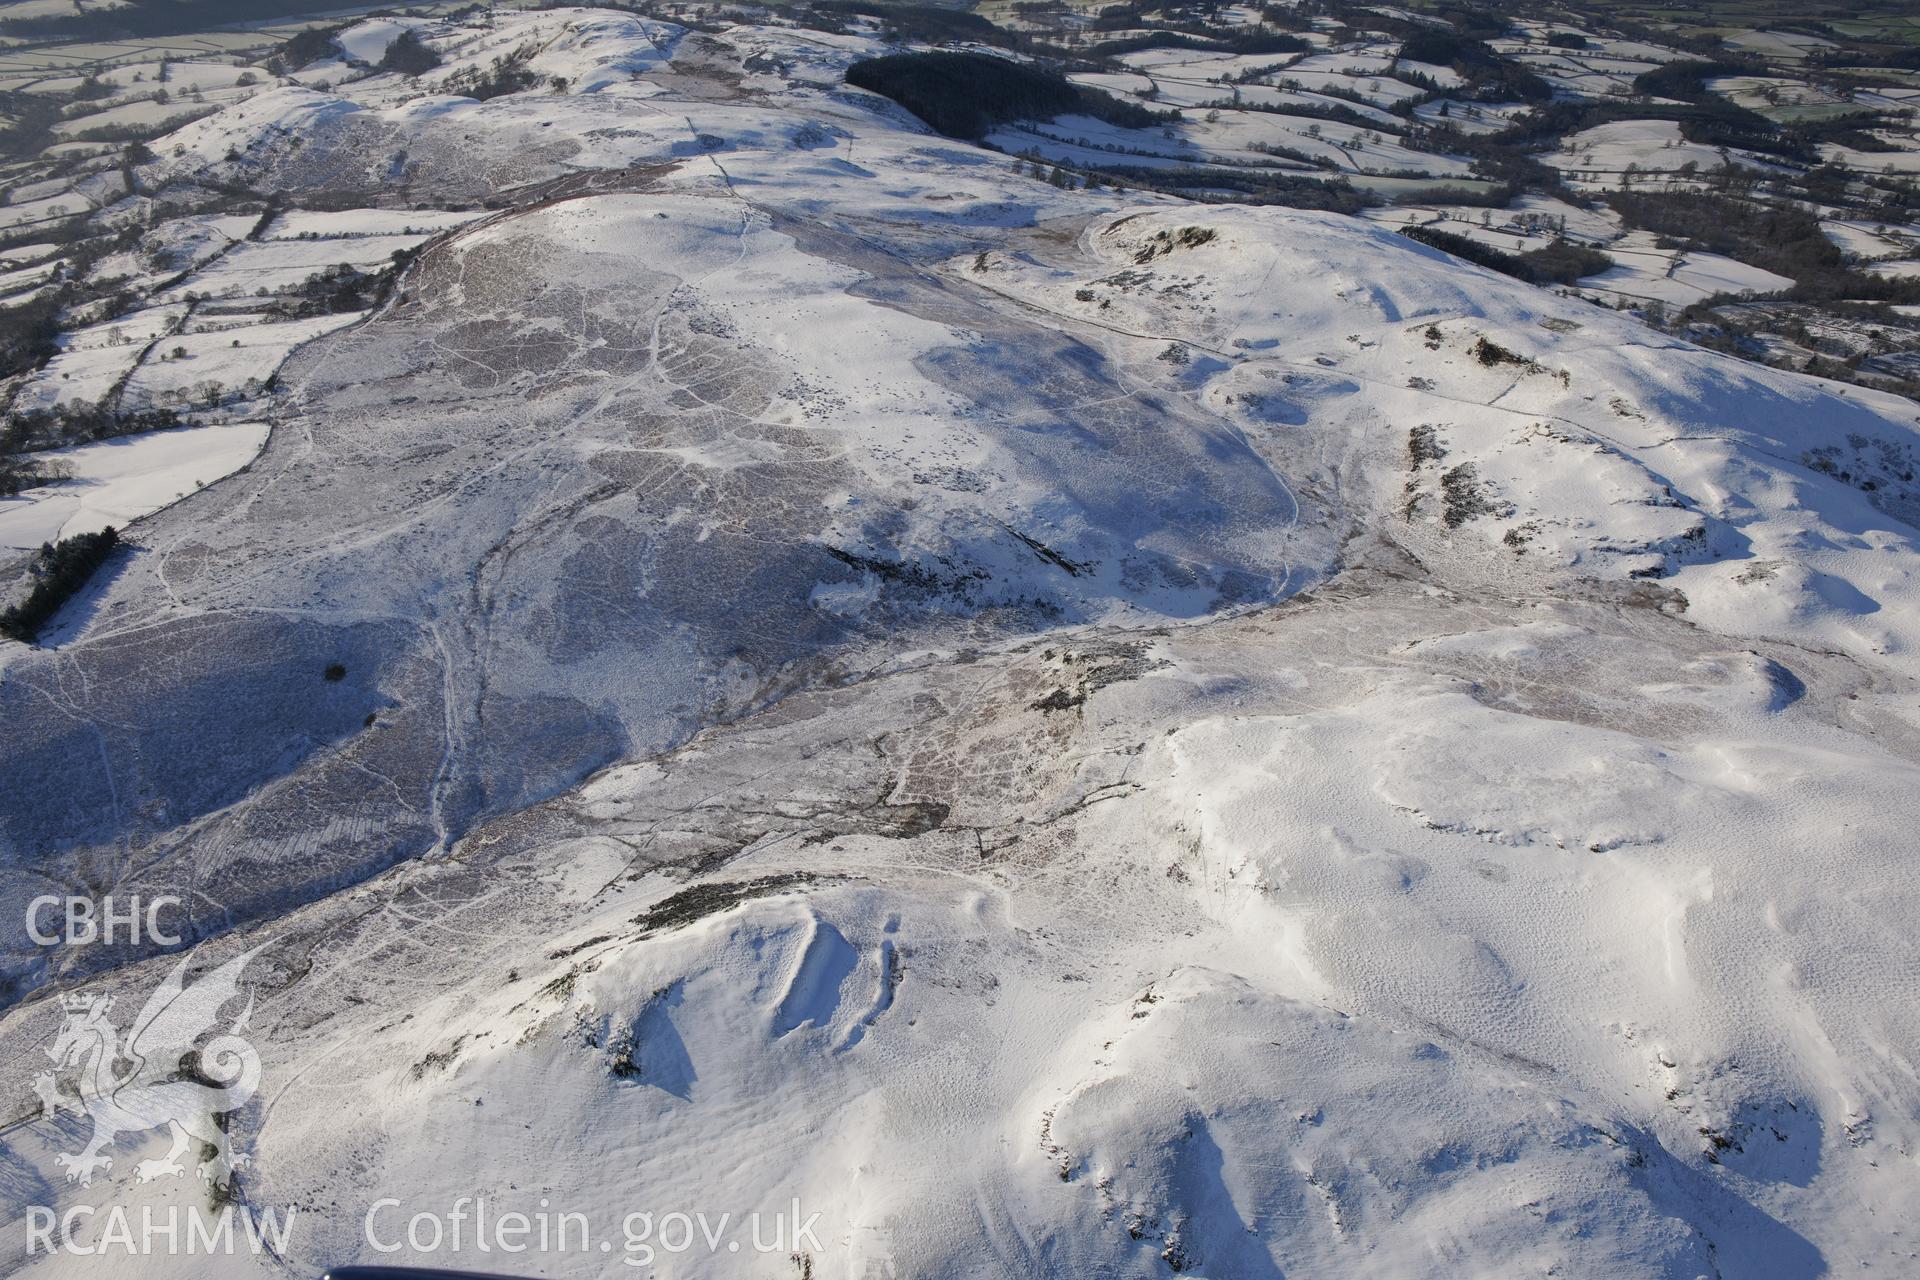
x: 1643, y: 271
x: 113, y: 482
x: 791, y: 668
x: 1612, y: 155
x: 225, y: 356
x: 275, y: 266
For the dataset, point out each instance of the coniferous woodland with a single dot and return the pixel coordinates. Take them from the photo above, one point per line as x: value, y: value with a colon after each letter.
x: 60, y: 569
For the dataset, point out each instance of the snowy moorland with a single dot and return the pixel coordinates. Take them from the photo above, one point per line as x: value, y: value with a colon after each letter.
x: 1069, y: 732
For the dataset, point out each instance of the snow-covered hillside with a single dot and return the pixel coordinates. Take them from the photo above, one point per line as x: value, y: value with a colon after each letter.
x: 1069, y: 733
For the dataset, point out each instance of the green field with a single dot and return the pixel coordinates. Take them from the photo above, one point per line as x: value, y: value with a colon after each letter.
x: 1879, y: 24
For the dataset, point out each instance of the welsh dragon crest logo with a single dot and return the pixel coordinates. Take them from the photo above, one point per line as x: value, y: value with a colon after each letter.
x: 168, y: 1073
